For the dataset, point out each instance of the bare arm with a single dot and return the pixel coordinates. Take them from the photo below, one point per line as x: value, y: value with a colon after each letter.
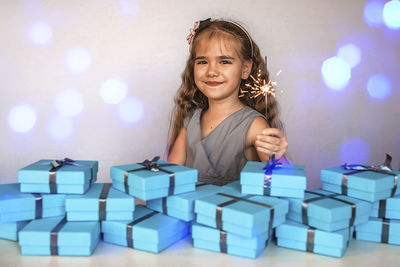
x: 178, y: 151
x: 266, y: 141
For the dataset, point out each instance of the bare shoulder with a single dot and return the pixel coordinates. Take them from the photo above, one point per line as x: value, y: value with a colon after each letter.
x: 255, y: 128
x: 178, y: 151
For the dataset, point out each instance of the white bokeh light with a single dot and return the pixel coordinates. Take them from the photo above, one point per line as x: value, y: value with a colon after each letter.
x: 391, y: 14
x: 131, y: 110
x: 22, y: 118
x: 373, y: 13
x: 78, y: 59
x: 129, y: 8
x: 379, y: 86
x: 69, y: 102
x: 113, y: 90
x: 336, y: 73
x: 350, y: 53
x: 40, y: 32
x: 59, y: 127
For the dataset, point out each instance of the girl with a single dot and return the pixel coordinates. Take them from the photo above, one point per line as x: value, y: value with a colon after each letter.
x: 213, y: 129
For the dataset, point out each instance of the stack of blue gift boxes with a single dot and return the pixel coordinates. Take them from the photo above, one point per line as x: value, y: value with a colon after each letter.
x: 58, y: 209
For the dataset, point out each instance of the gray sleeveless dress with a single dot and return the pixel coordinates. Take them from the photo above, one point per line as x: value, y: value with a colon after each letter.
x: 219, y: 157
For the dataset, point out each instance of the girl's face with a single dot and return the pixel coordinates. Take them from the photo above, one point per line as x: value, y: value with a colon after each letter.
x: 218, y: 69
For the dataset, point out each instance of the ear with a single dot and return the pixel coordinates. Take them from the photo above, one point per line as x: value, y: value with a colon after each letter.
x: 246, y: 69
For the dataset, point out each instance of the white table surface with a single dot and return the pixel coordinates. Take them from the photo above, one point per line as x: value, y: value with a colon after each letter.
x: 359, y: 253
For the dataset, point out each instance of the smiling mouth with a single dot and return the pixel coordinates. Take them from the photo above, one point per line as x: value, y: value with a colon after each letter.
x: 213, y: 83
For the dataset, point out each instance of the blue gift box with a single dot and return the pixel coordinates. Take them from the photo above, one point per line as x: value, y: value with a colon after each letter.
x: 302, y: 237
x: 379, y: 230
x: 244, y: 215
x: 213, y: 239
x: 149, y: 231
x: 366, y: 185
x: 50, y: 176
x: 284, y: 180
x: 181, y: 206
x: 56, y: 236
x: 157, y: 180
x: 100, y: 202
x: 10, y: 230
x: 327, y: 211
x: 17, y: 206
x: 386, y: 208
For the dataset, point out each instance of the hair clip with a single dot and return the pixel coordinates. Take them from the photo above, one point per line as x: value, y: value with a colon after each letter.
x: 192, y: 31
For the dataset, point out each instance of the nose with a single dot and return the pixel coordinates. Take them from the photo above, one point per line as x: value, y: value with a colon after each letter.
x: 212, y: 70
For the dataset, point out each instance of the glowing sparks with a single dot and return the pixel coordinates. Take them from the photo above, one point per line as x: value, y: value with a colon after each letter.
x: 259, y: 87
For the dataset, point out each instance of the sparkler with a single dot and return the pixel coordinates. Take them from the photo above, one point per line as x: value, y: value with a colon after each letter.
x: 260, y: 86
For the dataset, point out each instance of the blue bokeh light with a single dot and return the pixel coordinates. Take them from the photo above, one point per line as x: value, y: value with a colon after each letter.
x: 336, y: 73
x: 59, y: 127
x: 354, y: 151
x: 78, y: 59
x: 379, y: 86
x: 373, y: 13
x: 40, y: 32
x: 22, y: 118
x: 391, y: 14
x: 350, y: 53
x: 131, y: 110
x: 69, y: 102
x: 113, y: 90
x: 128, y: 8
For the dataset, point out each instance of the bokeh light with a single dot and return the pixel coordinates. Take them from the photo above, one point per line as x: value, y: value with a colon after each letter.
x: 128, y: 8
x: 69, y: 102
x: 391, y: 14
x: 78, y: 59
x: 40, y: 32
x: 373, y: 13
x: 350, y: 53
x: 22, y: 118
x: 113, y: 90
x: 131, y: 110
x: 59, y: 127
x: 355, y: 151
x: 336, y: 73
x: 379, y: 86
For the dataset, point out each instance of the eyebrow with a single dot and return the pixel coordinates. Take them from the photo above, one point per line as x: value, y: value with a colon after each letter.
x: 219, y: 57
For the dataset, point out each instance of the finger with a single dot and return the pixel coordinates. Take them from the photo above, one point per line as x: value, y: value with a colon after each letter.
x: 267, y: 146
x: 273, y: 132
x: 269, y: 139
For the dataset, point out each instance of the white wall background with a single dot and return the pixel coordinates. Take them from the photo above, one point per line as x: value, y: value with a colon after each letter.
x: 143, y: 43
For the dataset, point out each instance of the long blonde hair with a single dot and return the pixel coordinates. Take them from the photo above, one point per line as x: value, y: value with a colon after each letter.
x: 189, y: 97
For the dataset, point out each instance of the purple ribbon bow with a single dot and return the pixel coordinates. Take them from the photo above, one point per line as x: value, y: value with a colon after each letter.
x: 271, y: 164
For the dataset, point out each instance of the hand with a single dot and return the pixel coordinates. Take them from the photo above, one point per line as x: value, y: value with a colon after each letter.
x: 271, y: 141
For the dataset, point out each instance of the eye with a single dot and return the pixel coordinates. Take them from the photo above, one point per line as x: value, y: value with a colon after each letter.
x: 226, y: 62
x: 201, y: 62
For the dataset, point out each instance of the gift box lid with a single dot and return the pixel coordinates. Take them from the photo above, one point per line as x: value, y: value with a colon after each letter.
x: 242, y: 212
x: 300, y: 232
x: 375, y: 225
x: 37, y: 232
x: 38, y: 172
x: 214, y: 235
x: 392, y: 203
x: 145, y: 179
x: 150, y: 226
x: 114, y: 200
x: 12, y: 200
x: 185, y: 201
x: 329, y: 209
x: 369, y: 181
x: 287, y: 176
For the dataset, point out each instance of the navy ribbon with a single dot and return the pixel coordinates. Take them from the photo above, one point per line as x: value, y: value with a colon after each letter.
x: 385, y: 231
x: 222, y: 242
x: 310, y: 239
x: 38, y: 205
x: 54, y: 236
x: 269, y: 167
x: 153, y: 166
x: 56, y: 165
x: 129, y: 238
x: 102, y: 201
x: 357, y: 168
